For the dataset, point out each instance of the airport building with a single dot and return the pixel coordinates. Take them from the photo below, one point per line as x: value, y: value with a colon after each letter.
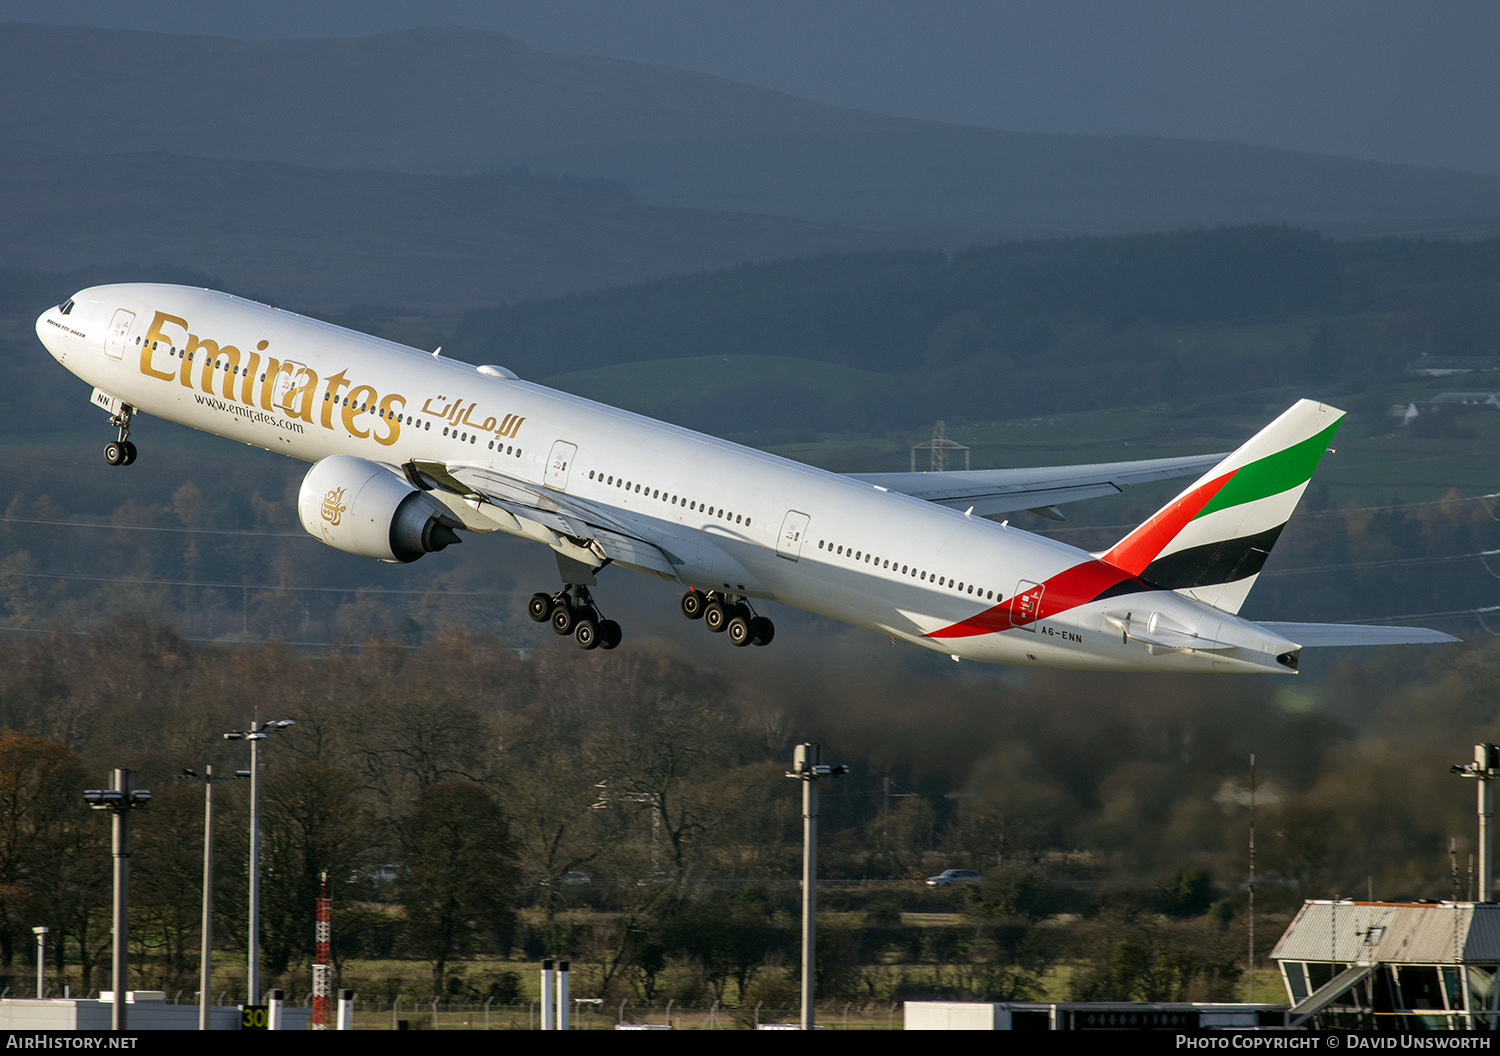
x: 1397, y: 966
x: 1392, y: 965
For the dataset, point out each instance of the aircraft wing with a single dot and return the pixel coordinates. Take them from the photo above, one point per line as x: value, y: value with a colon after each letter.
x: 992, y: 492
x: 1313, y: 635
x: 574, y: 528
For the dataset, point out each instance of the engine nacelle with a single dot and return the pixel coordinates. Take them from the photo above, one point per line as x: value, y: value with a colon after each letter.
x: 364, y: 508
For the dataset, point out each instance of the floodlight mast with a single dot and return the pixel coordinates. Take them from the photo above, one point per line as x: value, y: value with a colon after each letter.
x: 807, y: 768
x: 119, y: 801
x: 205, y: 955
x: 255, y: 734
x: 1484, y: 769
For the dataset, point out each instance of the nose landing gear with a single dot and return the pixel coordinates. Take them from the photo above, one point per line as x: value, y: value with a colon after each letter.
x: 732, y: 617
x: 120, y: 452
x: 572, y: 611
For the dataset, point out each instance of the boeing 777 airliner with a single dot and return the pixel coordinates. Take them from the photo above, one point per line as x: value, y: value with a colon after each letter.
x: 408, y: 449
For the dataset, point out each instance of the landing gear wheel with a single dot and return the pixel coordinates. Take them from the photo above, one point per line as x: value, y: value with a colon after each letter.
x: 586, y: 634
x: 762, y: 631
x: 715, y: 616
x: 121, y: 452
x: 692, y: 605
x: 609, y: 634
x: 539, y: 608
x: 563, y: 619
x: 738, y: 630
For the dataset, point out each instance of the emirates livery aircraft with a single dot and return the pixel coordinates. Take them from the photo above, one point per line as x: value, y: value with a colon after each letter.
x: 408, y: 448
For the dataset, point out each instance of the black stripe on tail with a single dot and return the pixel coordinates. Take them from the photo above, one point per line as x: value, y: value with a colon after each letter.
x: 1224, y: 561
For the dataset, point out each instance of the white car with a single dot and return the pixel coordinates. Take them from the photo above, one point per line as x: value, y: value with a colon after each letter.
x: 954, y: 877
x: 572, y: 879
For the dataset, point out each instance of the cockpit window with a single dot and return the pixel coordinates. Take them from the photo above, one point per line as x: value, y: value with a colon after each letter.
x: 66, y: 307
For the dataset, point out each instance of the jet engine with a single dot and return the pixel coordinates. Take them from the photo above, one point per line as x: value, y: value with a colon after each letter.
x: 364, y: 508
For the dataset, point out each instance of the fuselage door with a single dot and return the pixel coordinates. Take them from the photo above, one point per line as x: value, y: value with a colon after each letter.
x: 558, y: 464
x: 119, y: 329
x: 793, y: 529
x: 1026, y: 606
x: 292, y: 379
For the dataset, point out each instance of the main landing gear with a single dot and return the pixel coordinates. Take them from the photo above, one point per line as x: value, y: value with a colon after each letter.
x: 572, y: 611
x: 120, y: 452
x: 729, y: 615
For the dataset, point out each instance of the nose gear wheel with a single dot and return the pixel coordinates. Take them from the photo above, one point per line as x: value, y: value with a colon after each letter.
x: 121, y: 452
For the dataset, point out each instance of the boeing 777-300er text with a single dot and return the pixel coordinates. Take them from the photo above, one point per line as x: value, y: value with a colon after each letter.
x: 407, y: 448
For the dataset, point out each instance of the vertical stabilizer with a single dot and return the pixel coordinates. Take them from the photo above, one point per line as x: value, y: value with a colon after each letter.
x: 1211, y: 541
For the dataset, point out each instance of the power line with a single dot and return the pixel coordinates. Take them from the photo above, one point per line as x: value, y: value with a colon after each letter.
x: 145, y: 580
x: 157, y: 528
x: 1345, y: 510
x: 267, y: 534
x: 1430, y: 615
x: 185, y: 638
x: 1332, y: 511
x: 1381, y: 564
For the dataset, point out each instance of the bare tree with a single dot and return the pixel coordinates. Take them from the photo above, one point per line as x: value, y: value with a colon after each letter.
x: 460, y: 880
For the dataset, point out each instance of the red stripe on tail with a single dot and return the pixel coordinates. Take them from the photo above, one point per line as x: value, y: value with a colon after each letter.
x: 1140, y: 547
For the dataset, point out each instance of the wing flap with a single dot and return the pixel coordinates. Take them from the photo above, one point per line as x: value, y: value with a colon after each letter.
x: 992, y: 492
x: 576, y: 529
x: 637, y: 553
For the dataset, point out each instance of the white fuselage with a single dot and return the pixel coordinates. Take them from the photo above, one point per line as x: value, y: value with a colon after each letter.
x: 874, y: 558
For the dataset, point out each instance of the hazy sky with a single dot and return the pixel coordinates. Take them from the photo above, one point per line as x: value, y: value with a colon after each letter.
x: 1407, y: 82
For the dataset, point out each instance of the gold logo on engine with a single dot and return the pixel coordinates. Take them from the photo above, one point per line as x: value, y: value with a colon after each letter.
x: 333, y: 507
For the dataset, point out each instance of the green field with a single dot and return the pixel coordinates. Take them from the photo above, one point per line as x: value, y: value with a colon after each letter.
x: 707, y: 379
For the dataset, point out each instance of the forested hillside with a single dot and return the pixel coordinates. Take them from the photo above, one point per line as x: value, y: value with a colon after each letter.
x: 1027, y: 328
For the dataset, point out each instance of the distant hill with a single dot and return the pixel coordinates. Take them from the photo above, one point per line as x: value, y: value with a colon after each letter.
x: 326, y: 240
x: 1010, y: 330
x: 458, y: 102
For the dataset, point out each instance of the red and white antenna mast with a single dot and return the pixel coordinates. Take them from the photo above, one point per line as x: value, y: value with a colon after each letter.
x: 323, y: 961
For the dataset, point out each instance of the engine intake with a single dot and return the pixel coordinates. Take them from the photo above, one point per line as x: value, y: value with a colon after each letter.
x: 364, y: 508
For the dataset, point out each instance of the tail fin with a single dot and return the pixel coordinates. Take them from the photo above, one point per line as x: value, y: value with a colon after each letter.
x: 1211, y: 541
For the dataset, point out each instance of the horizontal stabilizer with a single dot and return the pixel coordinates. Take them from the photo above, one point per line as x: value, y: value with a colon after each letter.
x: 1314, y: 635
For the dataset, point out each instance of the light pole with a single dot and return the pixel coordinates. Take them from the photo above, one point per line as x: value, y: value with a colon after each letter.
x: 41, y: 960
x: 807, y: 768
x: 255, y: 734
x: 205, y: 956
x: 120, y: 801
x: 1484, y: 769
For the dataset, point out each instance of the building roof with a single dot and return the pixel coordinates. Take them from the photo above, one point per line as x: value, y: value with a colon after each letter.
x: 1397, y: 932
x: 1466, y: 397
x: 1451, y: 364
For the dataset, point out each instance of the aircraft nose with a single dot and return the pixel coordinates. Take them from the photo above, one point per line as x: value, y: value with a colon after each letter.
x: 49, y: 332
x: 42, y: 328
